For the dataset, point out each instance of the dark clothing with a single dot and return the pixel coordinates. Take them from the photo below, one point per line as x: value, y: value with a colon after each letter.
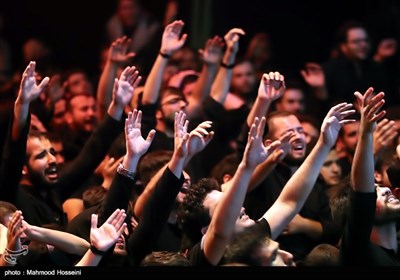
x: 345, y: 166
x: 155, y: 215
x: 201, y: 164
x: 343, y: 78
x: 42, y: 205
x: 73, y: 141
x: 357, y: 248
x: 316, y: 208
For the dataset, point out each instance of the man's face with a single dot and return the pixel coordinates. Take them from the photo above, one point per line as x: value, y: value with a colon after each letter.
x: 243, y: 79
x: 78, y: 83
x: 292, y: 101
x: 387, y: 206
x: 350, y: 136
x: 273, y: 256
x: 83, y: 113
x: 41, y: 165
x: 283, y: 124
x: 170, y: 103
x: 60, y: 108
x: 185, y: 187
x: 357, y: 45
x: 211, y: 201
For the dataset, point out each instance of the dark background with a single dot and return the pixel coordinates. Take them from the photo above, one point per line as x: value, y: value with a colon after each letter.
x: 300, y: 30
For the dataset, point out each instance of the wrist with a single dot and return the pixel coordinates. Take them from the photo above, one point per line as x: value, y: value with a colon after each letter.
x: 227, y: 66
x: 165, y: 54
x: 125, y: 172
x: 96, y: 251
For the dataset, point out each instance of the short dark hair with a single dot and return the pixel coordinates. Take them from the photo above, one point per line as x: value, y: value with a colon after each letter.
x: 245, y: 246
x: 6, y: 208
x: 192, y: 216
x: 164, y: 258
x: 342, y: 31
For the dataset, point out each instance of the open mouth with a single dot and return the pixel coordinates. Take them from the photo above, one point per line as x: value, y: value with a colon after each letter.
x: 51, y: 172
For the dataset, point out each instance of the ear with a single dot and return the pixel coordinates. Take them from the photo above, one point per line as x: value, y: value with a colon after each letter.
x: 378, y: 177
x: 204, y: 230
x: 68, y: 117
x: 158, y: 114
x: 226, y: 178
x: 24, y: 170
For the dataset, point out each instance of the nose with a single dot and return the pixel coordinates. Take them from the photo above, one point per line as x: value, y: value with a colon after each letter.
x: 182, y: 104
x: 51, y: 157
x: 286, y: 257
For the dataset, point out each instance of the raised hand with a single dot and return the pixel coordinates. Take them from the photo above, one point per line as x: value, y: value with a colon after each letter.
x: 118, y: 51
x: 283, y: 149
x: 171, y: 38
x: 212, y: 52
x: 199, y: 138
x: 334, y: 120
x: 125, y: 86
x: 105, y: 236
x: 384, y: 134
x: 181, y: 135
x: 369, y: 107
x: 313, y: 75
x: 136, y: 145
x: 255, y: 152
x: 15, y: 231
x: 29, y: 90
x: 232, y: 39
x: 272, y: 86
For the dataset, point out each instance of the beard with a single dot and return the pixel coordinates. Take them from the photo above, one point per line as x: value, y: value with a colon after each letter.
x: 169, y: 120
x: 388, y: 214
x: 38, y: 180
x: 291, y: 161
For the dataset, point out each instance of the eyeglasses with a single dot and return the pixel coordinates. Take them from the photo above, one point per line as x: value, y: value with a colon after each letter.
x: 174, y: 101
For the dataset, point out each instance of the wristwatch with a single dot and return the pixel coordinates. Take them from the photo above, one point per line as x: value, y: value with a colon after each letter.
x: 121, y: 170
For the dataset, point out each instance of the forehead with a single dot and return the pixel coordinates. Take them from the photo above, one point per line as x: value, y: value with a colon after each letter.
x: 284, y: 123
x: 350, y: 127
x: 356, y: 33
x: 35, y: 144
x: 332, y: 155
x: 82, y: 100
x: 211, y: 200
x: 292, y: 93
x: 243, y: 67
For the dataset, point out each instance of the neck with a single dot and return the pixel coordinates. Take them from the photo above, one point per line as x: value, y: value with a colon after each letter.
x: 385, y: 236
x: 162, y: 127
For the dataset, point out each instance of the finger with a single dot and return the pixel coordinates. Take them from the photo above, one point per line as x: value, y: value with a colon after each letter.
x: 379, y: 116
x: 150, y: 136
x: 94, y: 221
x: 121, y: 229
x: 137, y: 82
x: 113, y: 215
x: 44, y: 83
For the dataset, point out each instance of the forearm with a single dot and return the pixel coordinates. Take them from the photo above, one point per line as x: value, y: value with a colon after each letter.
x: 64, y: 241
x: 220, y: 87
x: 261, y: 172
x: 89, y: 259
x: 259, y: 110
x: 21, y: 112
x: 312, y: 228
x: 153, y: 83
x: 105, y: 87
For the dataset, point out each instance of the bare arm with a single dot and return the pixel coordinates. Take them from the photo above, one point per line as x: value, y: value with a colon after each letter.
x: 220, y: 87
x: 29, y: 90
x: 64, y: 241
x: 362, y: 171
x: 228, y: 209
x: 117, y: 54
x: 211, y: 55
x: 104, y: 237
x: 123, y: 90
x: 171, y: 42
x: 299, y: 186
